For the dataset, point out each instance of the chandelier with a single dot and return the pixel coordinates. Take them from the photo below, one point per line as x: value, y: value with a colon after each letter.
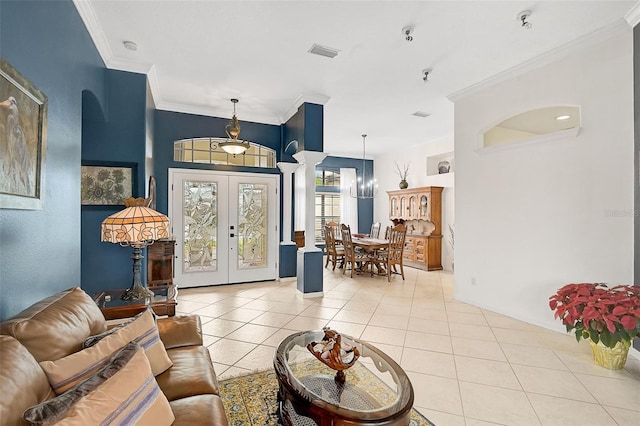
x: 233, y: 145
x: 364, y: 189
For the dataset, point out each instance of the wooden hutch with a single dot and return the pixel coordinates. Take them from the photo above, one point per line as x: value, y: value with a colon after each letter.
x: 421, y: 209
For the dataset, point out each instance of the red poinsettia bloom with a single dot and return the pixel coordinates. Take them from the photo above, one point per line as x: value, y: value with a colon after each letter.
x: 598, y: 312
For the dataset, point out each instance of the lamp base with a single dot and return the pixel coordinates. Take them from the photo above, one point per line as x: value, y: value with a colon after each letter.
x: 137, y: 292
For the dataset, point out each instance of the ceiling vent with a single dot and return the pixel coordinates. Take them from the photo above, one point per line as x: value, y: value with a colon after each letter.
x: 421, y: 114
x: 328, y: 52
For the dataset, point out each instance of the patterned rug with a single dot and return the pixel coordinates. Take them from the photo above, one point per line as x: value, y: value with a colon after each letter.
x: 250, y: 400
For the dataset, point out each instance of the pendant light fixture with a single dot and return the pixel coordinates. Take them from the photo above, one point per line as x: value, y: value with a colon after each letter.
x: 233, y: 145
x: 364, y: 189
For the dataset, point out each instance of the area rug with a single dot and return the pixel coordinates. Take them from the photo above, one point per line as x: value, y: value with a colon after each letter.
x: 251, y: 400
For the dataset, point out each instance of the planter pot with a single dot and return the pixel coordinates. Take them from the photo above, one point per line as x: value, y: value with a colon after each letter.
x: 613, y: 359
x: 404, y: 184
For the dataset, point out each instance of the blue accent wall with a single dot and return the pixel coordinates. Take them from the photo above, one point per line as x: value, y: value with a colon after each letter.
x: 365, y: 207
x: 117, y: 139
x: 47, y: 42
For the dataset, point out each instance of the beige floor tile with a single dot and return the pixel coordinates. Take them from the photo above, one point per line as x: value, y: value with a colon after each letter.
x: 394, y: 352
x: 259, y: 305
x: 276, y: 338
x: 347, y: 328
x: 252, y: 333
x: 208, y: 339
x: 436, y: 393
x: 498, y: 405
x: 558, y: 383
x: 360, y: 306
x: 462, y: 307
x: 322, y: 312
x: 220, y: 368
x: 476, y: 422
x: 613, y: 392
x: 329, y: 302
x: 476, y: 332
x: 501, y: 321
x: 554, y: 411
x: 427, y: 362
x: 234, y: 301
x: 359, y: 317
x: 377, y: 334
x: 289, y: 308
x: 390, y: 321
x: 229, y: 352
x: 428, y: 342
x: 272, y: 319
x: 466, y: 318
x: 305, y: 323
x: 429, y: 314
x: 428, y: 326
x: 220, y: 328
x: 533, y: 356
x: 241, y: 314
x: 486, y: 372
x: 441, y: 418
x: 624, y: 417
x: 233, y: 372
x: 260, y: 358
x: 210, y: 296
x: 186, y: 306
x: 581, y: 362
x: 214, y: 310
x: 477, y: 349
x: 518, y: 337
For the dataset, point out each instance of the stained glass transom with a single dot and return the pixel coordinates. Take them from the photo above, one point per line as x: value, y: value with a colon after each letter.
x: 207, y: 151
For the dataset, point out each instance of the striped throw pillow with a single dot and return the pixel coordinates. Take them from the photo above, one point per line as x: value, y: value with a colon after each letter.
x: 67, y: 372
x: 122, y: 392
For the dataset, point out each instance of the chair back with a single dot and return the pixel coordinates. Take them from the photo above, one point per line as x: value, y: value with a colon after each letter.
x: 396, y: 242
x: 375, y: 230
x: 347, y: 242
x: 329, y: 240
x: 387, y: 232
x: 335, y: 227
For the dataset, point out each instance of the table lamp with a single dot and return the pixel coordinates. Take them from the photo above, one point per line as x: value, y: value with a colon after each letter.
x: 136, y: 226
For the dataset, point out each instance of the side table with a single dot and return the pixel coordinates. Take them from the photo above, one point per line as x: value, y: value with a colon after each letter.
x: 113, y: 307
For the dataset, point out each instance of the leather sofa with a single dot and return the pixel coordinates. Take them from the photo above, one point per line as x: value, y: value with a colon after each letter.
x: 58, y: 325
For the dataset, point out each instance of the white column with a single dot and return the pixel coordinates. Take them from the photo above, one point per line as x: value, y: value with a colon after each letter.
x: 309, y: 159
x: 287, y: 170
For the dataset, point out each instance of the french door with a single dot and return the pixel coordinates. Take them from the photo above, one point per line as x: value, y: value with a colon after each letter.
x: 225, y: 226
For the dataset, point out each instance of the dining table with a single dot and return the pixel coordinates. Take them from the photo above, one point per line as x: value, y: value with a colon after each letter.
x: 371, y: 245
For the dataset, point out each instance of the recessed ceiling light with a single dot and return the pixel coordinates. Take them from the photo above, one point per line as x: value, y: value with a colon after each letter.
x: 563, y: 117
x: 130, y: 45
x: 328, y: 52
x: 421, y: 114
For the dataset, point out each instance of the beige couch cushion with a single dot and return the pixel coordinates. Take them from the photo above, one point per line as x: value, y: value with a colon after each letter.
x: 56, y: 326
x: 191, y: 374
x: 22, y: 381
x: 122, y: 392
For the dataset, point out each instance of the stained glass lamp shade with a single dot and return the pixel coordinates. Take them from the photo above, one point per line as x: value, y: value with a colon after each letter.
x: 136, y: 226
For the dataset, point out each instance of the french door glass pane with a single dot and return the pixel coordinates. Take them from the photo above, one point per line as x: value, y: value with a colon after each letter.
x: 252, y: 225
x: 200, y: 218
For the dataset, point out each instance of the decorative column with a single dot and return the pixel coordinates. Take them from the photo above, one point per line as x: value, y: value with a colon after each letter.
x: 287, y: 246
x: 309, y: 271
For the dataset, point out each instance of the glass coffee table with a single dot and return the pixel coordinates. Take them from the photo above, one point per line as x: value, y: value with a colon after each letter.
x: 113, y: 307
x: 375, y: 390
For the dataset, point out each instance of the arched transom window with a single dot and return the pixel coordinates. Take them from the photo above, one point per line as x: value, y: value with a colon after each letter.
x: 207, y: 151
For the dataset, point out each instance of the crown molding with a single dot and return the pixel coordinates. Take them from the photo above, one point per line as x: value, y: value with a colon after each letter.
x: 618, y: 27
x: 311, y: 98
x: 88, y: 16
x: 633, y: 15
x: 211, y: 112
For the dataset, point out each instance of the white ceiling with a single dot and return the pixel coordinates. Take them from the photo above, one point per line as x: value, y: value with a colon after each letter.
x: 199, y: 54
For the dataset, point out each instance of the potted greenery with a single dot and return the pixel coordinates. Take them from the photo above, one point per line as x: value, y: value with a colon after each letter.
x: 608, y: 317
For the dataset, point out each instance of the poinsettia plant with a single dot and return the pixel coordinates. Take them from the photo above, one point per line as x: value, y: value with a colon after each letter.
x: 599, y: 313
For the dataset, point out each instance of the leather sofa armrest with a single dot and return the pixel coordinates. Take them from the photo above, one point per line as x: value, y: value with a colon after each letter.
x: 179, y: 331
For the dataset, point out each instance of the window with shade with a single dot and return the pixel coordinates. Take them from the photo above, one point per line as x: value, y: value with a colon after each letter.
x: 327, y: 210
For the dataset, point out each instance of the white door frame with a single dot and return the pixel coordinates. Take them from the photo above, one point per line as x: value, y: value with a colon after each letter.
x: 227, y: 274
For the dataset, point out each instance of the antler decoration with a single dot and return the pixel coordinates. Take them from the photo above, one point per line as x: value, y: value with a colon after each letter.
x: 335, y: 354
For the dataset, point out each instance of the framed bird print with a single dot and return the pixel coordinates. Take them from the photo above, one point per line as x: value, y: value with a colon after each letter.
x: 23, y: 135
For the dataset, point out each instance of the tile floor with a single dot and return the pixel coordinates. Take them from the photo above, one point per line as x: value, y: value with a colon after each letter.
x: 468, y: 366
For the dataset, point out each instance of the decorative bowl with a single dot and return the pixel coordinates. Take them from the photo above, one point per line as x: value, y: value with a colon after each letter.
x: 334, y: 353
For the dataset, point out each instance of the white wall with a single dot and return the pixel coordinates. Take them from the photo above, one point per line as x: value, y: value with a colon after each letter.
x: 533, y: 218
x: 388, y: 180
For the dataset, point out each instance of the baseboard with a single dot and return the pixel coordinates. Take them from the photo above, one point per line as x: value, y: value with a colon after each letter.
x: 634, y: 353
x: 312, y: 295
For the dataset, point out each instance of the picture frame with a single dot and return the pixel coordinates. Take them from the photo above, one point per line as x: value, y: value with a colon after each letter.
x: 107, y: 183
x: 23, y: 141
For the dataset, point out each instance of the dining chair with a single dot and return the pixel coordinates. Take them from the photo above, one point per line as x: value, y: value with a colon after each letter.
x: 393, y: 255
x: 334, y: 253
x: 350, y: 254
x: 336, y: 232
x: 375, y: 230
